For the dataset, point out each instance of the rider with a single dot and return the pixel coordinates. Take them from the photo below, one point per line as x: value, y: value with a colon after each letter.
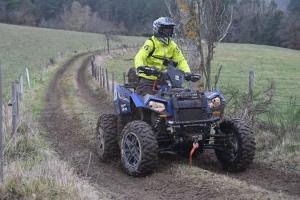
x: 154, y: 51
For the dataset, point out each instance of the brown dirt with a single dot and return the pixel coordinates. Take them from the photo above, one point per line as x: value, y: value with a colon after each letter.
x: 204, y: 181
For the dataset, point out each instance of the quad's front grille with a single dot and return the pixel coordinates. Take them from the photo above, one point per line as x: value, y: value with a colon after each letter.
x: 190, y: 114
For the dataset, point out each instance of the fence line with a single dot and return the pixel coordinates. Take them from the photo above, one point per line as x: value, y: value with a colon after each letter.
x: 18, y: 93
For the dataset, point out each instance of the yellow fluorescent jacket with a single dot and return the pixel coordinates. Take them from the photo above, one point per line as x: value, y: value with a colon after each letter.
x: 161, y: 52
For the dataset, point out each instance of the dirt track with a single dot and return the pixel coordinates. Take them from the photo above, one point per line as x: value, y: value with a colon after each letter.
x: 67, y: 123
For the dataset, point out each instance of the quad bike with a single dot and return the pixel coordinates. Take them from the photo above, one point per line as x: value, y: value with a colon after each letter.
x: 175, y: 119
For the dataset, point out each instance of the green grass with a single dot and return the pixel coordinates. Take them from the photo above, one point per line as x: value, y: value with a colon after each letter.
x: 27, y: 47
x: 268, y: 63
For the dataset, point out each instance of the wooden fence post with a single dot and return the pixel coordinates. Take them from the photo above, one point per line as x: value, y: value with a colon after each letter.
x: 251, y: 82
x: 93, y: 69
x: 250, y: 94
x: 17, y: 88
x: 42, y: 74
x: 99, y: 74
x: 1, y: 128
x: 107, y: 81
x: 100, y: 71
x: 103, y: 78
x: 112, y: 82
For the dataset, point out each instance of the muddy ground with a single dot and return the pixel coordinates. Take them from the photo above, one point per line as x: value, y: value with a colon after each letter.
x: 70, y: 115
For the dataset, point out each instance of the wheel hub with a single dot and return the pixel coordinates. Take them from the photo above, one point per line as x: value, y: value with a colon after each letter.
x: 131, y: 149
x: 101, y: 142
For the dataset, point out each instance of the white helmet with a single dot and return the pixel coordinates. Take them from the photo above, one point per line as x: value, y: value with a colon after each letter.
x: 163, y: 28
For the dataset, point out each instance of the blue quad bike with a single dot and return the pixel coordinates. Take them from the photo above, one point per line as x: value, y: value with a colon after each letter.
x: 175, y: 119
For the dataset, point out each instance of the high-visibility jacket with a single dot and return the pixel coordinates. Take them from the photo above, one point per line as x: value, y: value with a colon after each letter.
x: 153, y: 53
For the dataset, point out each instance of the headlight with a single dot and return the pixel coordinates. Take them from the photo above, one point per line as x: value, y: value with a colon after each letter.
x: 214, y: 103
x: 156, y: 106
x: 123, y: 107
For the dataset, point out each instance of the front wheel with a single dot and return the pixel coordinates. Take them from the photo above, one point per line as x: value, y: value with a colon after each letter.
x: 239, y: 146
x: 106, y: 137
x: 139, y: 149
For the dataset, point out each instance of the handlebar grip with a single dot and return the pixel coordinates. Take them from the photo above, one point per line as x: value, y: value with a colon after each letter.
x: 148, y: 70
x: 195, y: 77
x: 192, y: 77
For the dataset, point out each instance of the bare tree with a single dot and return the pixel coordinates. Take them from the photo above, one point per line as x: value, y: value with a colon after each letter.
x: 203, y: 23
x: 111, y: 35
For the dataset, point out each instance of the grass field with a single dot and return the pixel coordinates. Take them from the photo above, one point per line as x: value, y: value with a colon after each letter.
x: 27, y: 47
x: 269, y: 63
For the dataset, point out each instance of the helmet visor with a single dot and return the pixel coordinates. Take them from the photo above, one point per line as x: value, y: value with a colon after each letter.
x: 167, y: 31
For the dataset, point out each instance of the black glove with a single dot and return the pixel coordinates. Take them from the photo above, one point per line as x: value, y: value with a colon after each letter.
x: 195, y: 77
x: 187, y: 76
x: 192, y: 77
x: 148, y: 70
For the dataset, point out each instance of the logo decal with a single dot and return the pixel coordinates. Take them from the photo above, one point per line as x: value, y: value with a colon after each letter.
x: 146, y: 47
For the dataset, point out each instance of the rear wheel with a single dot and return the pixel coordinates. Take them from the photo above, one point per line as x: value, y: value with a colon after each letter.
x: 106, y: 137
x: 239, y: 150
x: 139, y: 149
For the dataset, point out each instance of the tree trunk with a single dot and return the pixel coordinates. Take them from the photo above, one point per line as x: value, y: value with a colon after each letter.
x: 191, y: 28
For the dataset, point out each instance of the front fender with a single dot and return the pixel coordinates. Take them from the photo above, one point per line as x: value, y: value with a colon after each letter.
x: 137, y: 100
x: 122, y: 99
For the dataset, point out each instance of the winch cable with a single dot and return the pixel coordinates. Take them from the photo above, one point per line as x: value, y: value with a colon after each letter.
x: 195, y: 146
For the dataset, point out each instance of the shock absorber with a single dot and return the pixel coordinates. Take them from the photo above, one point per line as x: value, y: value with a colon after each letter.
x: 157, y: 121
x: 156, y: 124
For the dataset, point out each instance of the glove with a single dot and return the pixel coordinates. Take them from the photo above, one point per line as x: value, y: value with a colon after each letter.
x: 195, y: 77
x: 187, y: 76
x: 148, y: 70
x: 192, y: 77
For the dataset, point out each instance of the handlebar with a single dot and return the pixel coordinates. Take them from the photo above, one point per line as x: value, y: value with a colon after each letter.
x: 154, y: 71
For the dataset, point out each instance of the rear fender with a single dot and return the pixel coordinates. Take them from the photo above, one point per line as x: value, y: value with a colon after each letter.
x: 122, y: 99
